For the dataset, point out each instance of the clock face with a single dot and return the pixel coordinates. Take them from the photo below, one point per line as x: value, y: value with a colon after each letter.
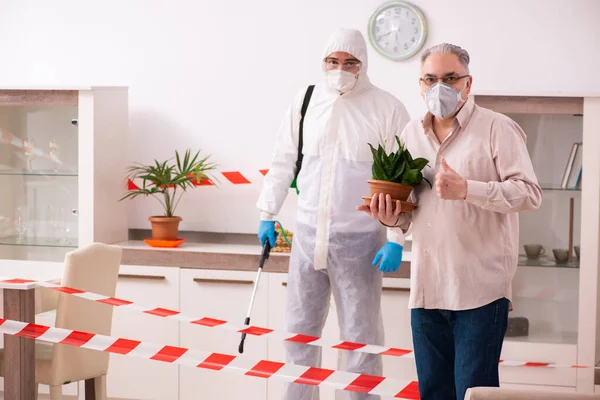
x: 397, y: 30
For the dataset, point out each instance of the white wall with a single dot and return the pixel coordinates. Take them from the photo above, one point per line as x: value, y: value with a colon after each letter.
x: 218, y: 75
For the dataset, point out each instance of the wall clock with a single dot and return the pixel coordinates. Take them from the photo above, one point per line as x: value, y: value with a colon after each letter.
x: 397, y: 30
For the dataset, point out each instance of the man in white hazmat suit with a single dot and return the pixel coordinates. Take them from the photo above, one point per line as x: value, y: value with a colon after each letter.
x: 335, y: 249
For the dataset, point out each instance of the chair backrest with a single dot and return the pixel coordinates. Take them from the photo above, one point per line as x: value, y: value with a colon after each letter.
x: 94, y: 268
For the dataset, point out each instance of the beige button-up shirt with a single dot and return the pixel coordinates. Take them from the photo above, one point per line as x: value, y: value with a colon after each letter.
x: 465, y: 252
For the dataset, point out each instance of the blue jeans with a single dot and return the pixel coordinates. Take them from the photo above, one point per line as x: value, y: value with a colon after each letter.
x: 457, y: 350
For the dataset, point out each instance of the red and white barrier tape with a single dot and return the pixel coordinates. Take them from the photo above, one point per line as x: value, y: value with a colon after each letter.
x: 253, y: 330
x: 233, y: 177
x: 348, y: 381
x: 218, y: 323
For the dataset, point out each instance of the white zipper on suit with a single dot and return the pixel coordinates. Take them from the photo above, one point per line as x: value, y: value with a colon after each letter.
x: 329, y: 158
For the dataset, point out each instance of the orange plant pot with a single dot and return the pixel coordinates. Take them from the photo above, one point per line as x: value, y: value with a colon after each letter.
x: 396, y: 190
x: 164, y: 228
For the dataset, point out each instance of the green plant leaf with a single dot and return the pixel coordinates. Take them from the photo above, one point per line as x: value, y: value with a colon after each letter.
x: 167, y: 181
x: 387, y: 166
x: 398, y: 156
x: 178, y: 160
x: 409, y: 158
x: 379, y: 172
x: 419, y: 163
x: 380, y: 153
x: 400, y: 147
x: 399, y: 171
x: 397, y: 166
x: 373, y: 151
x: 411, y: 177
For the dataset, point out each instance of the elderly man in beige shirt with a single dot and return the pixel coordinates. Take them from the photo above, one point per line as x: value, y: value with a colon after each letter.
x: 465, y: 230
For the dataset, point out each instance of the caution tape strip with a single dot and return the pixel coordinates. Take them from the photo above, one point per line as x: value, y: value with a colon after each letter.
x: 254, y: 330
x: 348, y: 381
x: 217, y: 323
x: 233, y: 177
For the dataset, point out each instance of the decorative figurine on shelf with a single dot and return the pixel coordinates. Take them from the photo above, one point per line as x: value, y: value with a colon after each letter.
x: 20, y: 223
x: 28, y: 148
x: 53, y: 145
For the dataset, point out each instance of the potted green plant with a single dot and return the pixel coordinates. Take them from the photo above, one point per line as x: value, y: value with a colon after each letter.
x: 167, y: 182
x: 396, y: 173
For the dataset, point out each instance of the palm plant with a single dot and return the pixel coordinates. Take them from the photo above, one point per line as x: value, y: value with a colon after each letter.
x: 167, y: 182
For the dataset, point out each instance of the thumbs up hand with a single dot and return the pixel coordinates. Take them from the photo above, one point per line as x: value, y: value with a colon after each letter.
x: 449, y: 185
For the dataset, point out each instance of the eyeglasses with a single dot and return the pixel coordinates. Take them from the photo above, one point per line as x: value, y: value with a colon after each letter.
x: 449, y: 80
x: 349, y: 65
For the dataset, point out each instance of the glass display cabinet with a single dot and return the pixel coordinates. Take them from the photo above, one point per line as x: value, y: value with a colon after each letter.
x: 555, y: 289
x: 60, y: 176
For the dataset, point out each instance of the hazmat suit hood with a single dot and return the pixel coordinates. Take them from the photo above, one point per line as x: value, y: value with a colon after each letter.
x: 350, y: 41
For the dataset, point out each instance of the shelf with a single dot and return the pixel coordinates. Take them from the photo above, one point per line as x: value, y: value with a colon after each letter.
x: 552, y: 337
x: 38, y: 242
x: 37, y: 173
x: 557, y: 187
x: 558, y: 105
x: 547, y: 262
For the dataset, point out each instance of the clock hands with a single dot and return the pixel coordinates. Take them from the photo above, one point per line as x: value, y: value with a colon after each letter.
x: 402, y: 27
x: 382, y: 36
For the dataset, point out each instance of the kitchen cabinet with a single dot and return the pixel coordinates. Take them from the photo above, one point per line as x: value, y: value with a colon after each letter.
x: 276, y: 350
x: 223, y: 295
x: 396, y: 323
x: 135, y: 378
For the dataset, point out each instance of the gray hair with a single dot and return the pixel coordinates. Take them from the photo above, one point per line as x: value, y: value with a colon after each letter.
x: 447, y: 48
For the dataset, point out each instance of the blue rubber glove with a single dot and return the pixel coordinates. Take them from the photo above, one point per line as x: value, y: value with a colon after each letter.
x: 390, y: 256
x: 266, y: 230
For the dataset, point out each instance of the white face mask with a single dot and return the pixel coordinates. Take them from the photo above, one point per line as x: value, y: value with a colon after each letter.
x: 341, y: 81
x: 442, y: 100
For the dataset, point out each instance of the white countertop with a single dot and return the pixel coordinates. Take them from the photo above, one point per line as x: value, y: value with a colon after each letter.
x: 222, y: 248
x: 26, y: 269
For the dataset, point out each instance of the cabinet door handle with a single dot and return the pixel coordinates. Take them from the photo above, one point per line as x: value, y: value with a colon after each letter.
x: 284, y: 284
x: 136, y: 276
x: 395, y: 289
x: 231, y: 281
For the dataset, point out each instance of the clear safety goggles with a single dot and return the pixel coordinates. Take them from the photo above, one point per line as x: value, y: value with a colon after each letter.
x: 349, y: 65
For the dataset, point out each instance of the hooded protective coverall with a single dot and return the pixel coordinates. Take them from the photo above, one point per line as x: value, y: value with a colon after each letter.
x: 334, y: 244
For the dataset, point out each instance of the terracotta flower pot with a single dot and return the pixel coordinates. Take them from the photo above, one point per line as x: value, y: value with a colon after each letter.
x: 164, y: 228
x: 396, y: 190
